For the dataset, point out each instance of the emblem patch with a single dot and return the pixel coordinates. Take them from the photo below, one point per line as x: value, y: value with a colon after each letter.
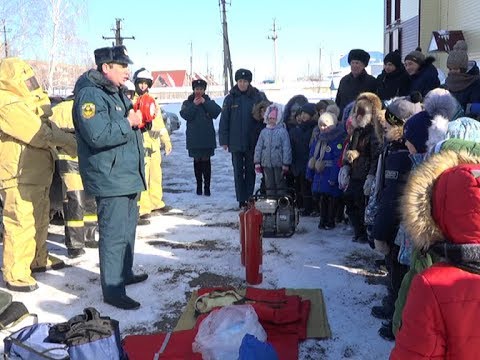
x: 88, y: 110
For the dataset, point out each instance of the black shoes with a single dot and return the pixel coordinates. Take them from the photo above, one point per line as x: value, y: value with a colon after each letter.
x: 143, y: 219
x: 386, y: 331
x: 362, y: 239
x: 75, y: 253
x: 22, y: 288
x: 122, y: 302
x: 136, y: 279
x: 165, y: 209
x: 53, y: 263
x: 206, y: 191
x: 199, y: 189
x: 242, y: 205
x: 382, y: 312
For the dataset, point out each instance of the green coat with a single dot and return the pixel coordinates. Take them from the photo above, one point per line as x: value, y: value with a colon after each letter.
x: 110, y: 152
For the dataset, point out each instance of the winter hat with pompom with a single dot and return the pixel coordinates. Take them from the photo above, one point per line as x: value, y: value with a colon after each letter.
x: 458, y: 57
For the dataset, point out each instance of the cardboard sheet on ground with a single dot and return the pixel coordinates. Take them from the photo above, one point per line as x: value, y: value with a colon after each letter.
x: 317, y: 325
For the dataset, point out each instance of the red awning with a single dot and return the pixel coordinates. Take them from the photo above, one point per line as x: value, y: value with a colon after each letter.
x: 444, y: 40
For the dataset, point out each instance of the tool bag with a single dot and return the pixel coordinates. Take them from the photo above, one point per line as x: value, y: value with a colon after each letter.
x: 86, y: 336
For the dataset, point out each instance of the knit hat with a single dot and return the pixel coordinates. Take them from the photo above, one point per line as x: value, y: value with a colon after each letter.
x: 309, y: 108
x: 441, y: 200
x: 360, y: 55
x: 416, y: 56
x: 400, y: 110
x: 394, y: 58
x: 416, y: 130
x: 440, y: 102
x: 328, y: 119
x: 458, y: 57
x: 464, y: 128
x: 243, y: 74
x: 333, y: 109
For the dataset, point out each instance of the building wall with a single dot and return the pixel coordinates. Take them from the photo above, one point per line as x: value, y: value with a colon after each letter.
x: 409, y: 9
x: 410, y: 31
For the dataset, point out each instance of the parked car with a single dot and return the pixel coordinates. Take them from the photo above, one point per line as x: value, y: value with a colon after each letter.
x: 172, y: 123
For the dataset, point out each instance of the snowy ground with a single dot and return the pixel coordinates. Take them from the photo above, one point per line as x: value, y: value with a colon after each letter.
x: 199, y: 247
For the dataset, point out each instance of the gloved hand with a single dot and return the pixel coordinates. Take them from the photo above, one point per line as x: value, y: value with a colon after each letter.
x: 344, y: 177
x: 258, y: 168
x: 168, y: 148
x: 285, y: 169
x: 367, y: 187
x: 382, y: 247
x: 63, y: 140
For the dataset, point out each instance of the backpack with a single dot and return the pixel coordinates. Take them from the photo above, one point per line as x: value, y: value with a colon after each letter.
x: 83, y: 337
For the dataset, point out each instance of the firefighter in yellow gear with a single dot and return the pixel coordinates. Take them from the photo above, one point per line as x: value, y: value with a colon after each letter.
x: 27, y: 148
x: 79, y: 208
x: 151, y: 200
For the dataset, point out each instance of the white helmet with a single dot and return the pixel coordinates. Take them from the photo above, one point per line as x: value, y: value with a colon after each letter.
x: 130, y: 85
x: 142, y: 73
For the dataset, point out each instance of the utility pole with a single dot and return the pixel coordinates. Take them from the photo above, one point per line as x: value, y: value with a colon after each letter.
x: 319, y: 64
x: 5, y: 44
x: 118, y: 37
x: 227, y: 60
x: 191, y: 60
x: 274, y: 37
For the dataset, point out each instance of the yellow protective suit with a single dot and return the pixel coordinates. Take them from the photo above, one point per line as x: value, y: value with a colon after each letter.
x: 79, y: 209
x: 27, y: 142
x: 152, y: 198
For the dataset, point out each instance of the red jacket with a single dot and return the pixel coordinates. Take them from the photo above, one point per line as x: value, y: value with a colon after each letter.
x: 441, y: 317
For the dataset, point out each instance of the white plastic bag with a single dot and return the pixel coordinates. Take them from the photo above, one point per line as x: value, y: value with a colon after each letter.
x: 220, y: 334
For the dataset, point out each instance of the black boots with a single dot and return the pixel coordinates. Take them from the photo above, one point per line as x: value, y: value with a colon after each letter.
x: 207, y: 174
x: 203, y: 171
x: 197, y: 167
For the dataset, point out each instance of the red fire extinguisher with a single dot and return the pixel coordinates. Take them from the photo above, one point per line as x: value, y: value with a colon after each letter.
x: 241, y: 218
x: 253, y: 245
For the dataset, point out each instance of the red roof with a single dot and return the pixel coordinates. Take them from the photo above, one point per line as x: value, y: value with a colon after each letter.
x: 171, y: 78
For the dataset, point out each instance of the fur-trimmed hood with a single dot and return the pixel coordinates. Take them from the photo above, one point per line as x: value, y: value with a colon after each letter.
x: 257, y: 109
x: 417, y: 199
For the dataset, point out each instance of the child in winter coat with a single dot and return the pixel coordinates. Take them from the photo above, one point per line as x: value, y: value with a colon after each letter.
x: 273, y: 153
x: 442, y: 213
x: 323, y: 167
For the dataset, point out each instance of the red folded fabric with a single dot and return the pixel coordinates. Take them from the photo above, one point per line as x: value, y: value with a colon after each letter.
x: 179, y: 346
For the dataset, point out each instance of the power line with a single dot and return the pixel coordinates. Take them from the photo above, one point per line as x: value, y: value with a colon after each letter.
x: 274, y: 37
x: 117, y: 31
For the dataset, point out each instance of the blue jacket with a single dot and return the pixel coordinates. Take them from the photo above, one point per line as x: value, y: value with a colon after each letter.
x: 236, y: 128
x: 394, y: 175
x: 200, y: 131
x: 326, y: 181
x: 110, y: 152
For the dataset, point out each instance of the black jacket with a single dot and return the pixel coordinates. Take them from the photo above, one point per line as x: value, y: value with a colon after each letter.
x: 299, y: 140
x: 394, y: 84
x: 350, y: 87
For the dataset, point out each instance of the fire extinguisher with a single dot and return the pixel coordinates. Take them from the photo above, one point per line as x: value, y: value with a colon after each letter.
x: 241, y: 218
x: 146, y: 104
x: 253, y: 245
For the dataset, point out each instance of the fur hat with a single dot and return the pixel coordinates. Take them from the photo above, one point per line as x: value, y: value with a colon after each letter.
x: 199, y: 83
x: 429, y: 211
x: 394, y: 58
x: 328, y: 119
x: 400, y: 110
x: 368, y: 107
x: 458, y: 57
x: 416, y: 56
x: 309, y: 108
x: 360, y: 55
x: 258, y: 108
x: 274, y: 110
x: 243, y: 74
x: 333, y: 109
x: 440, y: 102
x: 115, y: 54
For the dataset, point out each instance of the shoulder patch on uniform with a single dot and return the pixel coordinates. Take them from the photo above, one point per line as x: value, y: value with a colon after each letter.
x: 88, y: 110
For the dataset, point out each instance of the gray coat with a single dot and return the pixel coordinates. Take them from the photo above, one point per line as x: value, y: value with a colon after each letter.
x: 273, y: 147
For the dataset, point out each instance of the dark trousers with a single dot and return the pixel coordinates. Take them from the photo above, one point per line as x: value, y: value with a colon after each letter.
x: 328, y: 207
x: 396, y: 271
x: 275, y: 182
x: 117, y: 223
x: 244, y: 174
x: 303, y: 193
x: 355, y: 203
